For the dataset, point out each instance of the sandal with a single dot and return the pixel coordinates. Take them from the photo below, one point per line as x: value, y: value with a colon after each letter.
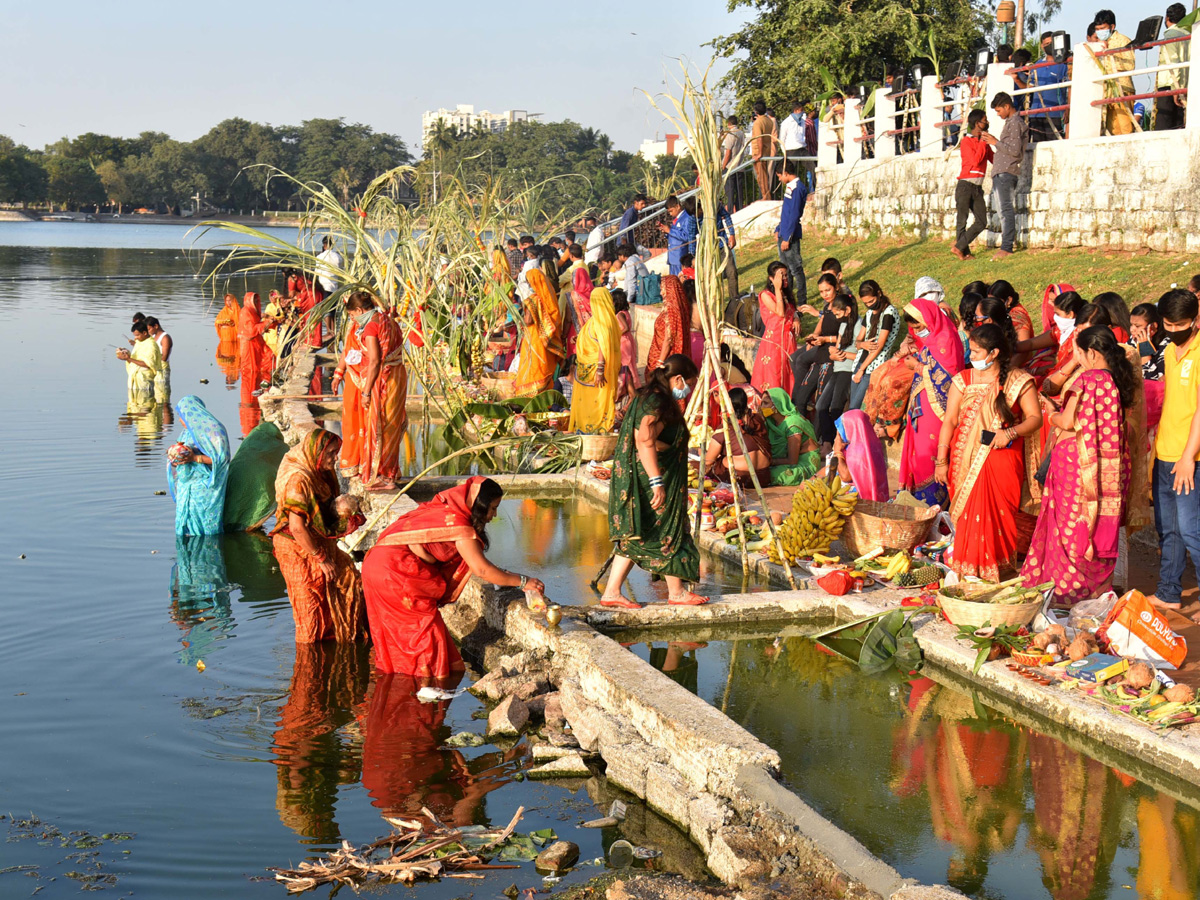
x: 687, y: 598
x: 619, y: 602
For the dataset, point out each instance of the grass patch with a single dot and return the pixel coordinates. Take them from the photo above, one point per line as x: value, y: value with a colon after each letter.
x: 1139, y: 276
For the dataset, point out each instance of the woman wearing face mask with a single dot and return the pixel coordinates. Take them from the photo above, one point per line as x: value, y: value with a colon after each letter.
x: 378, y: 373
x: 1066, y: 366
x: 1049, y: 349
x: 985, y: 451
x: 1075, y: 544
x: 938, y: 357
x: 877, y: 337
x: 1148, y: 336
x: 647, y: 502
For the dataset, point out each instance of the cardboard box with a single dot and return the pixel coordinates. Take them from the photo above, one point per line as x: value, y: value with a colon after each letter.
x: 1097, y: 667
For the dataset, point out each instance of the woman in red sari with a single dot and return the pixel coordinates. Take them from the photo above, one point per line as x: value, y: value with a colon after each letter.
x: 987, y: 444
x: 257, y: 360
x: 1086, y: 497
x: 352, y: 410
x: 773, y: 363
x: 1050, y: 351
x: 323, y: 585
x: 420, y: 564
x: 673, y: 327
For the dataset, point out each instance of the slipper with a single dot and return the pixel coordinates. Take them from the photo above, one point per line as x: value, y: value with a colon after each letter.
x: 687, y: 598
x: 619, y: 602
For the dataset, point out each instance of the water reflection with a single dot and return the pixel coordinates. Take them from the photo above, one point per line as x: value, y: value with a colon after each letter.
x: 149, y: 420
x: 200, y: 595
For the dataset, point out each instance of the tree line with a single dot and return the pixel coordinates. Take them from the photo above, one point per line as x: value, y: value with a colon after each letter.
x: 157, y: 172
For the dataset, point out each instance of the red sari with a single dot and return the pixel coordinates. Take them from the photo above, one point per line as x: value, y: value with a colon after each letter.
x: 352, y: 411
x: 986, y: 485
x: 257, y: 360
x: 672, y: 328
x: 773, y: 364
x: 383, y: 420
x: 307, y: 296
x: 405, y: 593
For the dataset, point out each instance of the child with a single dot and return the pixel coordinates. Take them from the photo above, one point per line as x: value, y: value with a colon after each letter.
x: 1146, y: 334
x: 836, y: 392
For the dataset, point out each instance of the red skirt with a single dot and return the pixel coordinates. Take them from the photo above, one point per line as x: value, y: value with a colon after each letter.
x: 404, y: 595
x: 992, y: 529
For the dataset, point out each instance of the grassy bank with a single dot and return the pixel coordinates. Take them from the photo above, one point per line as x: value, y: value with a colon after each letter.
x: 896, y: 264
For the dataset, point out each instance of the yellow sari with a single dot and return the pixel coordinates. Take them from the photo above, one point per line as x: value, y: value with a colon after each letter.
x: 541, y: 348
x: 594, y: 406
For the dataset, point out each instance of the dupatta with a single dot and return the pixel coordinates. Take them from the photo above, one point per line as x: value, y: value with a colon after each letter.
x: 672, y: 328
x: 306, y: 486
x: 542, y: 348
x: 1104, y: 464
x: 199, y: 490
x: 793, y: 423
x: 865, y: 457
x: 601, y: 334
x: 940, y: 353
x: 445, y: 518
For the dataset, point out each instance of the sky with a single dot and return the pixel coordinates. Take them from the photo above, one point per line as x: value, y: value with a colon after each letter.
x: 126, y: 67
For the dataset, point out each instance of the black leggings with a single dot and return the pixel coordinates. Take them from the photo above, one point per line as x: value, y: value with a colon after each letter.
x: 805, y: 363
x: 832, y: 403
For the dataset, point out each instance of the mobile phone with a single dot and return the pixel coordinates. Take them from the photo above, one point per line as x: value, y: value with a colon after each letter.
x: 1145, y: 348
x: 986, y: 437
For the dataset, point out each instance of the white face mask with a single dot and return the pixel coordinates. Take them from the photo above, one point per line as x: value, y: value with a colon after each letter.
x: 1103, y: 34
x: 982, y: 363
x: 923, y: 333
x: 1065, y: 326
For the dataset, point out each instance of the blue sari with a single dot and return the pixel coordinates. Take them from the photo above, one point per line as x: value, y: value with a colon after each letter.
x: 199, y: 489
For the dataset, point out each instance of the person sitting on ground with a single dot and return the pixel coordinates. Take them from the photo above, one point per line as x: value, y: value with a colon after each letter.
x: 861, y: 460
x: 726, y: 464
x: 794, y: 454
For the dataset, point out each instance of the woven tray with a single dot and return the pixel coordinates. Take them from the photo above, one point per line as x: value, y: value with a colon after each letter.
x: 888, y: 525
x: 968, y: 612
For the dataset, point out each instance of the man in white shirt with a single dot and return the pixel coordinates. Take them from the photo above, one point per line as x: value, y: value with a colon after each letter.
x: 532, y: 261
x: 594, y: 240
x: 791, y: 132
x: 632, y: 268
x: 333, y: 260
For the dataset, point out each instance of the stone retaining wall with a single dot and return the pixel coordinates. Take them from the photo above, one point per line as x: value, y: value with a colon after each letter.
x: 1130, y: 192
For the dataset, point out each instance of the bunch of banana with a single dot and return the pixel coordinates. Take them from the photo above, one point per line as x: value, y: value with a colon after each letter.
x: 898, y: 564
x: 816, y: 520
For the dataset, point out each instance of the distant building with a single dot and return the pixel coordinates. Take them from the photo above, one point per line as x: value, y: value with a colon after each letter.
x: 464, y: 118
x: 670, y: 145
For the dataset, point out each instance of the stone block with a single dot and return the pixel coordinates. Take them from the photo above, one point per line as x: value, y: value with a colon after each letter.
x: 705, y: 816
x: 1157, y: 241
x: 572, y: 766
x: 1092, y: 240
x: 669, y: 794
x: 1072, y: 239
x: 508, y: 718
x: 626, y: 764
x: 558, y: 857
x: 736, y: 858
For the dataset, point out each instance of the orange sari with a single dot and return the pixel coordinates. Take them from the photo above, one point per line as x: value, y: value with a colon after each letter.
x: 541, y: 348
x: 988, y: 486
x: 384, y: 419
x: 352, y: 410
x: 405, y: 593
x: 672, y: 328
x: 227, y: 321
x: 257, y: 360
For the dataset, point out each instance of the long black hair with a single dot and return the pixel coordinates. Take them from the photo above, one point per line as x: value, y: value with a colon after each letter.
x: 1069, y: 302
x: 966, y: 309
x: 787, y: 288
x: 658, y: 384
x: 1005, y: 292
x: 870, y: 289
x: 734, y: 361
x: 992, y: 337
x: 1101, y: 339
x: 1151, y: 314
x: 489, y: 493
x: 1118, y: 309
x: 976, y: 287
x: 841, y: 301
x: 994, y: 308
x: 1091, y: 314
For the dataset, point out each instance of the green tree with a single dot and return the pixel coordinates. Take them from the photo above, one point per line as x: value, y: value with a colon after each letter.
x: 118, y: 187
x: 23, y: 179
x: 326, y: 146
x: 231, y: 150
x: 779, y: 54
x: 73, y: 182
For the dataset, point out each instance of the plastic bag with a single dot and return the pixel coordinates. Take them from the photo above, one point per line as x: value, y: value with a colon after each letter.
x: 1135, y: 629
x: 837, y: 583
x: 1088, y: 615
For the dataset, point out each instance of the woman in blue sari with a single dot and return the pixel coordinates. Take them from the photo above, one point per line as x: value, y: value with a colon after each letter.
x: 198, y: 470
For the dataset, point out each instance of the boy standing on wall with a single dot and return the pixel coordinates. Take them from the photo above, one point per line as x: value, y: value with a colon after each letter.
x: 968, y: 195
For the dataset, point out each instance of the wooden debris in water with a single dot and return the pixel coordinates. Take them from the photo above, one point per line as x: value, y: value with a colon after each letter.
x: 418, y: 848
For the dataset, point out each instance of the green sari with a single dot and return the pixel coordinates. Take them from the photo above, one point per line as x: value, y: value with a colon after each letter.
x: 779, y: 432
x: 659, y: 542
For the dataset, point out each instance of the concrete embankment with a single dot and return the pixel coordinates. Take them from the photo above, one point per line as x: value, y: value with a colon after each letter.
x: 15, y: 215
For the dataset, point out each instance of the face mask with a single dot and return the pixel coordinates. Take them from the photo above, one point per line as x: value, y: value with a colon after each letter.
x: 682, y: 393
x: 1065, y: 325
x: 982, y: 363
x: 1103, y: 34
x: 923, y: 333
x: 1179, y: 338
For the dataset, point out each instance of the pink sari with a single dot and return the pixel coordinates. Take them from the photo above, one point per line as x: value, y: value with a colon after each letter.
x: 1084, y: 502
x: 865, y: 457
x: 940, y: 353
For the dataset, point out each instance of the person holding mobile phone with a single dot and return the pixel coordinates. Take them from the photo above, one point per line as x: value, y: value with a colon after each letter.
x: 987, y: 452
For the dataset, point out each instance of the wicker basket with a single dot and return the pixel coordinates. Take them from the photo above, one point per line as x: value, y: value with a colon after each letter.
x: 597, y: 447
x: 503, y: 383
x: 888, y: 525
x: 968, y: 612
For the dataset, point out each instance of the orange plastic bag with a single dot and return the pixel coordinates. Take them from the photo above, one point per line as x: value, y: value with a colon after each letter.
x: 1137, y: 630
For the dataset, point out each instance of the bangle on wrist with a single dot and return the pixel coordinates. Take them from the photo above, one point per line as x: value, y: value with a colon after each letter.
x: 524, y: 581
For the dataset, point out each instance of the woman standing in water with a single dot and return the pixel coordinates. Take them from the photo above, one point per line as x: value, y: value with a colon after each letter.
x: 198, y: 470
x: 647, y: 504
x: 323, y: 584
x: 422, y: 563
x: 256, y: 358
x: 142, y: 362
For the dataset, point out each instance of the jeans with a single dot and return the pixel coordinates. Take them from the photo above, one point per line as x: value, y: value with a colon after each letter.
x: 1045, y: 128
x: 858, y: 392
x: 1177, y: 520
x: 1005, y: 187
x: 806, y: 363
x: 968, y: 198
x: 792, y: 259
x: 831, y: 404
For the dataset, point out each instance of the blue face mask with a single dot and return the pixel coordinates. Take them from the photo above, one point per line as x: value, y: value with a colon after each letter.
x: 682, y: 393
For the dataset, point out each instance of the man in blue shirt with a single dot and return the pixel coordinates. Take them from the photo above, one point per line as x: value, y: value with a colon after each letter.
x: 630, y: 219
x: 789, y: 232
x: 1047, y: 126
x: 681, y: 234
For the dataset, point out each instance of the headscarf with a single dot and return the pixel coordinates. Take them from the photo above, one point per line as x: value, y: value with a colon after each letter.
x: 1048, y: 297
x: 543, y: 306
x: 447, y: 517
x: 793, y: 422
x: 229, y: 312
x: 581, y: 284
x: 306, y: 486
x: 926, y: 285
x: 501, y: 271
x: 865, y: 457
x: 676, y: 319
x: 942, y: 341
x: 250, y: 491
x: 249, y: 319
x: 602, y: 333
x: 199, y: 490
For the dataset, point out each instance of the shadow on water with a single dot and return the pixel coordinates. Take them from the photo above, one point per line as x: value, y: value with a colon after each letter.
x: 941, y: 786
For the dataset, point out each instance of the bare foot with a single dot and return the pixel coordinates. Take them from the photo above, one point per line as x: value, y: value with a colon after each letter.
x: 1163, y: 604
x: 957, y: 252
x: 618, y: 601
x: 1001, y: 254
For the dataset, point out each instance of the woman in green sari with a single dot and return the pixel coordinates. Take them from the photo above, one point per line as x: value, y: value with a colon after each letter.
x: 794, y: 453
x: 647, y: 503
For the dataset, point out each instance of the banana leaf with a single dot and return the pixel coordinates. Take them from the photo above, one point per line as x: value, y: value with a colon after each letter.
x: 891, y: 642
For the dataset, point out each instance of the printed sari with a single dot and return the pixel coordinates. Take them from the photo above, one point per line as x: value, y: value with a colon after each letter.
x: 987, y: 483
x: 659, y: 541
x: 773, y: 362
x: 672, y: 328
x: 1084, y: 501
x: 405, y: 592
x: 940, y: 355
x: 352, y: 410
x: 384, y: 419
x: 323, y: 608
x: 594, y: 405
x: 541, y: 349
x: 779, y: 433
x: 865, y: 457
x: 198, y: 489
x: 887, y: 397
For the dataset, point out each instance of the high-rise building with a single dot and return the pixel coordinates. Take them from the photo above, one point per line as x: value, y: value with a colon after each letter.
x: 464, y: 118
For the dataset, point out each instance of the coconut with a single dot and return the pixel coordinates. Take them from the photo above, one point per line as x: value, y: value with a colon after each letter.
x: 1043, y: 640
x: 1139, y: 676
x: 1078, y: 648
x: 1180, y: 693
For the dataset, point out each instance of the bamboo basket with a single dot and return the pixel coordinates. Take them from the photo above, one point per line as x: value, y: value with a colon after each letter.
x: 597, y: 447
x: 968, y: 612
x: 503, y: 383
x: 888, y: 525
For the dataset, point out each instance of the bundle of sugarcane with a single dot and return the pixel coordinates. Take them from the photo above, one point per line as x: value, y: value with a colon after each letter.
x: 1006, y: 593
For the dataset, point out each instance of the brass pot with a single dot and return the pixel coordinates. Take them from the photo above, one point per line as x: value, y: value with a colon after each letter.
x: 554, y: 614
